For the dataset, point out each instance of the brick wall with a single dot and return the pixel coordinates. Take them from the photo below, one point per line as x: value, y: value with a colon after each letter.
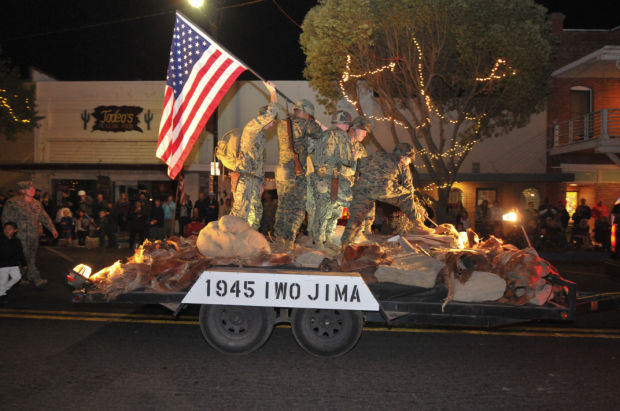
x: 605, y: 93
x: 575, y: 44
x: 608, y: 193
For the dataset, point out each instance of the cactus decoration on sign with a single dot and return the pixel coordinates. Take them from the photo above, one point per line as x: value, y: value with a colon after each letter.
x: 85, y: 118
x: 148, y: 117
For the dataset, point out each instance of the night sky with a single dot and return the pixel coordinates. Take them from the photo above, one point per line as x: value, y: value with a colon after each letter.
x: 130, y: 39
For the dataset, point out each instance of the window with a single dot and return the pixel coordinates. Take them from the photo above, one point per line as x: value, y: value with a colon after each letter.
x: 456, y: 198
x: 489, y: 194
x: 530, y: 195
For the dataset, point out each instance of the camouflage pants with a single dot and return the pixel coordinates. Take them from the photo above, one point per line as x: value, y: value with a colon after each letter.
x: 247, y: 202
x: 344, y: 200
x: 363, y: 204
x: 367, y: 223
x: 345, y: 196
x: 310, y: 202
x: 323, y: 209
x: 30, y: 245
x: 291, y: 207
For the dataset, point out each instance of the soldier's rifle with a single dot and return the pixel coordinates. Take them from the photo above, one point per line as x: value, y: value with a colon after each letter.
x: 289, y: 131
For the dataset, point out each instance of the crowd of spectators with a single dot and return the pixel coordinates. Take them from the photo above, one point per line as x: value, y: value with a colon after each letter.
x: 83, y: 220
x: 548, y: 227
x: 551, y: 228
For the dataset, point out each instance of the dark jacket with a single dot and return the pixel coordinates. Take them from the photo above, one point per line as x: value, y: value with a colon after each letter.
x: 11, y: 252
x: 157, y: 213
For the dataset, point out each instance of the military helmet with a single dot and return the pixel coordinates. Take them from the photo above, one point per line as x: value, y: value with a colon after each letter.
x: 360, y: 123
x: 341, y: 117
x: 305, y: 106
x: 24, y: 185
x: 403, y: 150
x: 267, y: 113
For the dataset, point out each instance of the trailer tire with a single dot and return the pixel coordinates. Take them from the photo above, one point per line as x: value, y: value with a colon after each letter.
x: 326, y: 333
x: 234, y: 329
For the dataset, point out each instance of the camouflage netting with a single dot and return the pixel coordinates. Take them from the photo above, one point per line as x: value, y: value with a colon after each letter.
x: 160, y: 266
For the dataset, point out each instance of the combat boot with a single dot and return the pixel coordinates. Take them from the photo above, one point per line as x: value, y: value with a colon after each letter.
x: 278, y: 245
x: 40, y: 282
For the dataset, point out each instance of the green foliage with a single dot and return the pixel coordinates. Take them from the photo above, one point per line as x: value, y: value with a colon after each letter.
x: 460, y: 41
x: 17, y: 110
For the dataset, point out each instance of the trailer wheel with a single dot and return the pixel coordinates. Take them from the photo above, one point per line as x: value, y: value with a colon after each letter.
x: 326, y: 333
x: 233, y: 329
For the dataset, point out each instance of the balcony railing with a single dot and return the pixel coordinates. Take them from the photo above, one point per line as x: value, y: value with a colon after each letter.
x: 603, y: 126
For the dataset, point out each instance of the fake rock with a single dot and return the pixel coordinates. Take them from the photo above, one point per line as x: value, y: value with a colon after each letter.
x: 311, y: 259
x: 231, y: 237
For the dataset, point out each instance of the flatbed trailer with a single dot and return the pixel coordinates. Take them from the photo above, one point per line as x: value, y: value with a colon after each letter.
x: 239, y: 307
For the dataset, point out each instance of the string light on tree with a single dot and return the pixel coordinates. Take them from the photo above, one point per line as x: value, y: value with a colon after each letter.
x: 433, y: 186
x: 494, y: 75
x: 4, y: 102
x: 346, y: 76
x: 457, y: 149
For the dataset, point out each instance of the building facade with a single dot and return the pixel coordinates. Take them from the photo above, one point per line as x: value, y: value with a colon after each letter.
x: 584, y: 114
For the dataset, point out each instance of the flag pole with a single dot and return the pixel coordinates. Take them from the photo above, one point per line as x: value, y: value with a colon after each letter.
x: 248, y: 68
x: 176, y: 201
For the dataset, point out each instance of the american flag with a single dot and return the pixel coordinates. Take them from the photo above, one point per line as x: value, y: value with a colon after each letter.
x: 200, y: 73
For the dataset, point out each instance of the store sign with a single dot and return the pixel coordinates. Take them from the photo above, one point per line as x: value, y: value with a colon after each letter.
x: 117, y: 118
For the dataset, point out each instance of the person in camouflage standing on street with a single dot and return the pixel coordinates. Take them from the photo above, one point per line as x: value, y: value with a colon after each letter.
x: 332, y: 158
x: 291, y: 187
x: 357, y: 132
x: 27, y: 212
x: 384, y: 177
x: 247, y: 196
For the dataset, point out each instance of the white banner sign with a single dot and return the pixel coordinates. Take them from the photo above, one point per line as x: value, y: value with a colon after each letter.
x: 294, y: 289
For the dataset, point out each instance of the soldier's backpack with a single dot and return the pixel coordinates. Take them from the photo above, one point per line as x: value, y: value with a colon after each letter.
x: 227, y: 149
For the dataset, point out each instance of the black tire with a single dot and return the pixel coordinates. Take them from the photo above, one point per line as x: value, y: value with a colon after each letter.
x: 233, y: 329
x: 326, y: 333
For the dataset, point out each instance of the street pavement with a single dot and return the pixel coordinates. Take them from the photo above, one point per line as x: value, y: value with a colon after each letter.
x: 60, y: 355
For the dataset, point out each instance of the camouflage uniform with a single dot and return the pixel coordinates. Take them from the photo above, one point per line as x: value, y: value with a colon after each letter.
x: 382, y: 177
x: 27, y: 217
x: 359, y: 151
x: 292, y: 188
x: 247, y: 202
x: 332, y: 159
x: 345, y: 184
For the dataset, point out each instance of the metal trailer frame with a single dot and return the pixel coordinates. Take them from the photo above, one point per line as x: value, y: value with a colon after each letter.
x: 240, y: 329
x: 407, y: 305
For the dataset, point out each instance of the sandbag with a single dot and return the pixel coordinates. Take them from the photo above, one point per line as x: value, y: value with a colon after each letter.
x: 311, y: 259
x: 412, y: 269
x: 481, y: 286
x: 231, y: 237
